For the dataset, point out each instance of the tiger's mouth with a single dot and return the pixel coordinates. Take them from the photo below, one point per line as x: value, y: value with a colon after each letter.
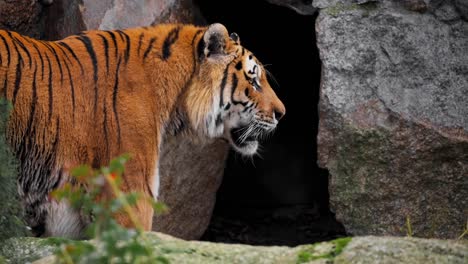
x: 242, y: 143
x: 245, y: 139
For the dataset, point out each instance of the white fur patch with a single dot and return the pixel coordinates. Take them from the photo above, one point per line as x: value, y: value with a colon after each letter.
x: 253, y: 69
x: 63, y: 221
x: 155, y: 185
x: 213, y: 130
x: 156, y: 181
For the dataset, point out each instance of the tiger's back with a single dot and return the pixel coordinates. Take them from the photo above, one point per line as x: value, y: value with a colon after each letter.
x: 93, y: 96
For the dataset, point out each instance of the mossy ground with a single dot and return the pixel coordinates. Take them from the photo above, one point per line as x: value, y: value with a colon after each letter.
x: 344, y: 250
x: 326, y: 250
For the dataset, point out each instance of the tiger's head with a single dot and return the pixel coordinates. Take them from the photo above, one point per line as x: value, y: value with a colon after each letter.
x: 240, y: 104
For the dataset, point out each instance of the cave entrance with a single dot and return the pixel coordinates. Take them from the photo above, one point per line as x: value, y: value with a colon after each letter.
x: 280, y: 197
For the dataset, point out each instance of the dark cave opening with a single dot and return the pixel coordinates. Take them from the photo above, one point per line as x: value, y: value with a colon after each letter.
x: 280, y: 197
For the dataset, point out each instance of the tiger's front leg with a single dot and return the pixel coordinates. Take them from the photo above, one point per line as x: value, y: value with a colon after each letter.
x: 139, y: 176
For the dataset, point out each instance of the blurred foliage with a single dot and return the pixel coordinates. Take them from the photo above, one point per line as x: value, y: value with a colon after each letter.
x: 111, y: 242
x: 11, y: 214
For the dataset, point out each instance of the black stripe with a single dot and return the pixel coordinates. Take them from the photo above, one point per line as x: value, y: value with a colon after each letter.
x: 150, y: 46
x: 19, y: 64
x: 32, y: 112
x: 72, y: 88
x: 40, y: 58
x: 14, y: 42
x: 127, y: 47
x: 235, y: 81
x: 18, y: 54
x: 114, y: 99
x: 243, y: 51
x: 201, y: 49
x: 54, y: 52
x: 17, y: 80
x: 247, y: 77
x: 120, y: 35
x: 170, y: 39
x: 196, y: 35
x: 68, y: 62
x: 218, y: 120
x: 239, y: 65
x: 196, y: 55
x: 222, y: 86
x: 5, y: 84
x: 53, y: 151
x: 89, y: 47
x: 114, y: 40
x: 51, y: 91
x: 140, y: 40
x: 106, y: 132
x: 24, y: 49
x: 106, y: 52
x: 61, y: 48
x: 7, y: 49
x: 65, y: 45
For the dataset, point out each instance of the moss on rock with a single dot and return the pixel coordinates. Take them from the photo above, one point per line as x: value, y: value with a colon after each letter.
x: 344, y: 250
x: 325, y: 250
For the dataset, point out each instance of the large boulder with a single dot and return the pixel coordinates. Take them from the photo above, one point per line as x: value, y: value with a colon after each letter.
x: 191, y: 173
x: 344, y: 250
x: 23, y: 16
x: 393, y: 129
x: 190, y: 170
x: 66, y: 17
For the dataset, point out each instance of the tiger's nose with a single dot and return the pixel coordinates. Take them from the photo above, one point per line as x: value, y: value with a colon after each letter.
x: 279, y: 112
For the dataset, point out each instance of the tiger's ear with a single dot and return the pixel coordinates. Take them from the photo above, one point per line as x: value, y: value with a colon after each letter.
x: 215, y: 40
x: 234, y: 37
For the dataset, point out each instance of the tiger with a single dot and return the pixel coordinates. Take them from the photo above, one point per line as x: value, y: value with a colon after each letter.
x: 92, y: 96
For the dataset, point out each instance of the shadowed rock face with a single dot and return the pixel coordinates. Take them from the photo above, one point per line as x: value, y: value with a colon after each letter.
x: 191, y: 173
x: 394, y: 117
x: 12, y: 16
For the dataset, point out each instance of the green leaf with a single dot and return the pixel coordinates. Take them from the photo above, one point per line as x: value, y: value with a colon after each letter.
x: 81, y: 171
x: 159, y: 207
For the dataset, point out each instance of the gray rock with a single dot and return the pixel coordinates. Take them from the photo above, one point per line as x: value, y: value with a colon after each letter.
x: 67, y: 17
x: 191, y: 173
x: 335, y: 3
x: 117, y: 14
x: 393, y: 129
x: 303, y: 7
x: 344, y: 250
x: 402, y: 250
x: 23, y: 16
x: 462, y: 7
